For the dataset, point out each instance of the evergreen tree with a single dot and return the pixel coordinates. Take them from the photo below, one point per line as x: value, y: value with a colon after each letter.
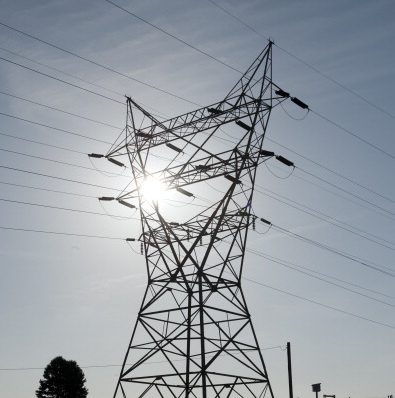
x: 62, y: 379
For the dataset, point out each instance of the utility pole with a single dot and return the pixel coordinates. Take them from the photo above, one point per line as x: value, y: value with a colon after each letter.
x: 194, y: 329
x: 290, y: 384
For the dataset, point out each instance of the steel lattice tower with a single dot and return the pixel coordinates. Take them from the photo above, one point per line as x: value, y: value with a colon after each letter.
x: 194, y: 336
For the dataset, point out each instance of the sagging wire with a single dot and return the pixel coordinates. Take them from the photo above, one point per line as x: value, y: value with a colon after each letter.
x: 107, y: 173
x: 128, y: 242
x: 118, y: 218
x: 278, y: 176
x: 268, y: 223
x: 293, y: 117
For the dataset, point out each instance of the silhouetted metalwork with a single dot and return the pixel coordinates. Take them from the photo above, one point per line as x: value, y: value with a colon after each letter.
x: 194, y: 336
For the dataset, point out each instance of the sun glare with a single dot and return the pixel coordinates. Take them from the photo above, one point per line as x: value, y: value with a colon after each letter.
x: 153, y: 190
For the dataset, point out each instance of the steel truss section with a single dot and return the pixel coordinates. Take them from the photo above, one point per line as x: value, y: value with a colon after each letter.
x: 194, y: 336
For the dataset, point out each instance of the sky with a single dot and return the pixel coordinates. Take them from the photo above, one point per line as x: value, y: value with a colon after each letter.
x: 78, y: 297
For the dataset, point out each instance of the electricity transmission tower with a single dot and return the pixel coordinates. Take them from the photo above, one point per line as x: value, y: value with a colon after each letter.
x: 194, y: 336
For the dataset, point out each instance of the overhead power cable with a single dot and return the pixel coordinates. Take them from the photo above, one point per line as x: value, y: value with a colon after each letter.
x: 120, y: 365
x: 327, y: 218
x: 60, y: 80
x: 175, y: 37
x: 57, y: 178
x: 42, y: 143
x: 60, y: 110
x: 325, y: 275
x: 248, y: 279
x: 304, y: 272
x: 167, y: 92
x: 379, y: 268
x: 47, y: 189
x: 336, y: 173
x: 42, y: 231
x: 320, y: 304
x: 353, y: 134
x: 108, y: 68
x: 298, y: 206
x: 309, y: 65
x: 384, y: 152
x: 57, y: 161
x: 53, y: 128
x: 95, y: 213
x: 75, y: 77
x: 357, y: 203
x: 346, y: 191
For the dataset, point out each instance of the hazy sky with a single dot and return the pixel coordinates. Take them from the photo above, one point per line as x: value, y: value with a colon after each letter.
x: 79, y: 297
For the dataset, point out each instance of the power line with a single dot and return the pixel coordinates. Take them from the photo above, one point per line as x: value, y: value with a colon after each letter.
x: 389, y: 212
x: 310, y: 66
x: 336, y: 173
x: 319, y: 303
x: 293, y: 264
x: 76, y: 77
x: 346, y: 191
x: 326, y: 218
x: 108, y: 68
x: 175, y: 37
x: 351, y: 133
x: 371, y: 265
x: 295, y: 268
x: 53, y: 128
x: 268, y: 139
x: 19, y: 202
x: 41, y: 143
x: 234, y: 69
x: 47, y: 190
x: 256, y: 252
x: 60, y: 80
x: 60, y: 110
x: 165, y: 91
x: 311, y: 212
x: 57, y: 178
x: 41, y: 231
x: 120, y: 365
x: 372, y: 209
x: 58, y: 161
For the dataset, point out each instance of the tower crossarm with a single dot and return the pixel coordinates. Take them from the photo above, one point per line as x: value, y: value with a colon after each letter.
x: 197, y: 121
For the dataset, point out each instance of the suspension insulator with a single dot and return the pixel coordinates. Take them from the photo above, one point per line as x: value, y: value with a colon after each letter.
x: 117, y: 162
x: 142, y: 248
x: 300, y: 103
x: 265, y: 221
x: 122, y: 202
x: 184, y: 192
x: 285, y: 161
x: 243, y: 125
x: 173, y: 147
x: 282, y: 93
x: 202, y: 167
x: 213, y: 110
x: 233, y: 179
x: 266, y: 153
x: 143, y: 135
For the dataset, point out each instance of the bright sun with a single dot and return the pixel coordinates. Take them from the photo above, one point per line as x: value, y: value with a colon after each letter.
x: 152, y: 189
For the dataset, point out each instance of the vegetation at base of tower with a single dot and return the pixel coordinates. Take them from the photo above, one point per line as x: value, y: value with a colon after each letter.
x: 62, y: 379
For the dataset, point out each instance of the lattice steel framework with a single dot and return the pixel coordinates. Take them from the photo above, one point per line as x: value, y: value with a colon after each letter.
x: 193, y: 336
